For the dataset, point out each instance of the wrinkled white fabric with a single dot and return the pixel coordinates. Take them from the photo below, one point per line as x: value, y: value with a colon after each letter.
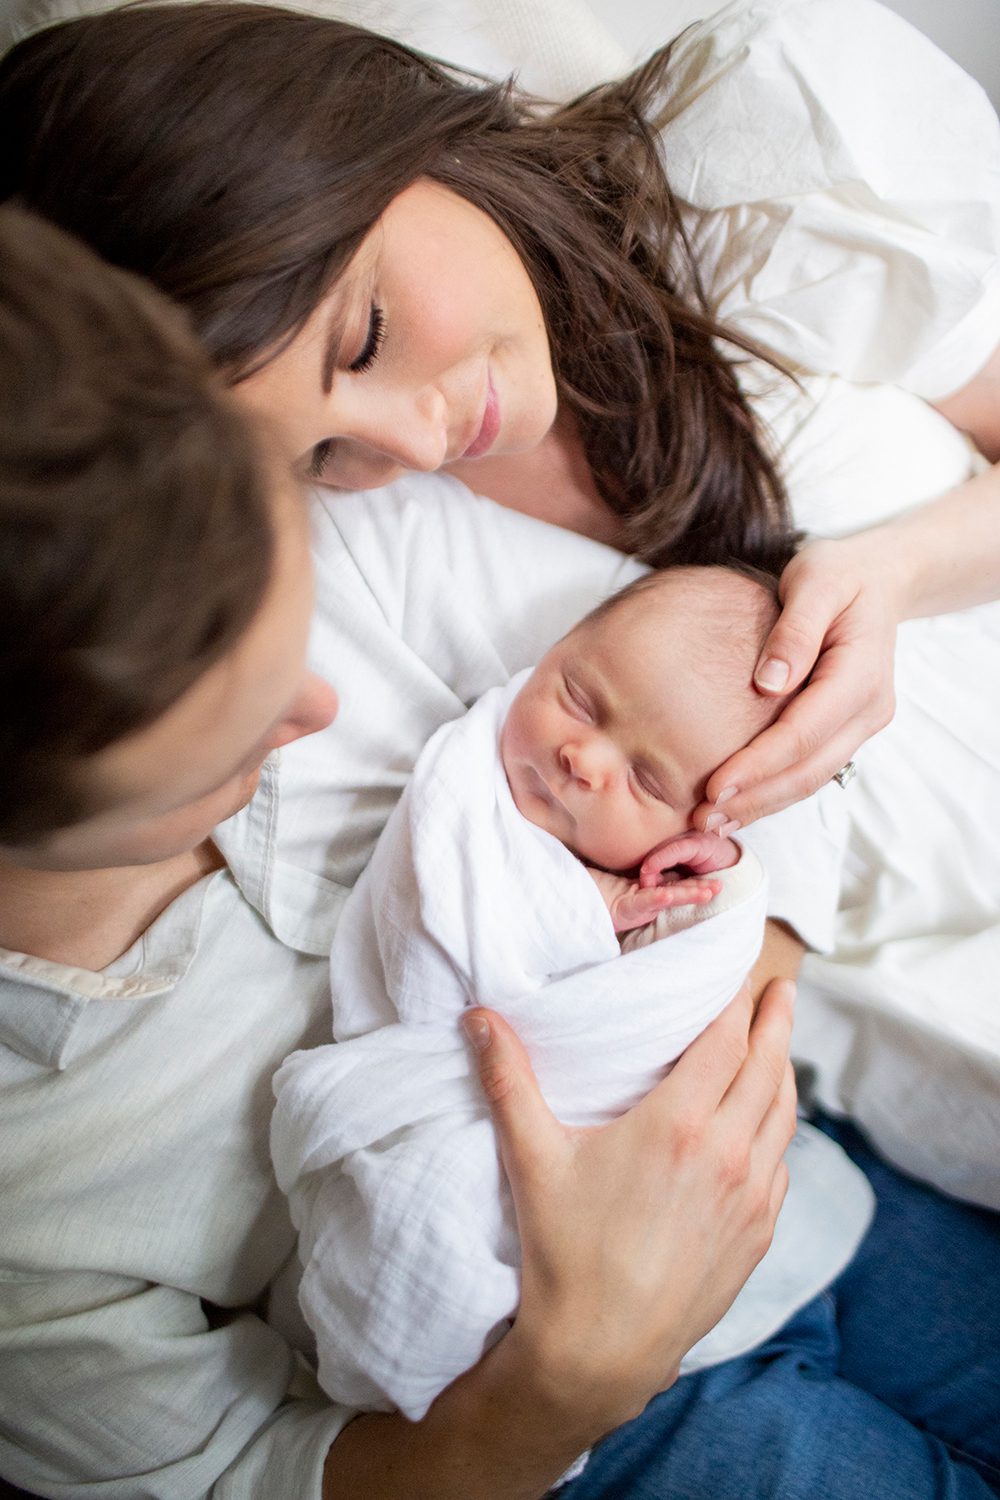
x: 383, y: 1141
x: 843, y: 242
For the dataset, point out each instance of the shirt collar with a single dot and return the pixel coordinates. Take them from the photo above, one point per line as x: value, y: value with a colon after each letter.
x: 43, y: 1003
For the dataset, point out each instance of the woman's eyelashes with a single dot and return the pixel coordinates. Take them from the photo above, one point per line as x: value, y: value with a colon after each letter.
x: 373, y: 342
x: 320, y: 458
x: 322, y: 453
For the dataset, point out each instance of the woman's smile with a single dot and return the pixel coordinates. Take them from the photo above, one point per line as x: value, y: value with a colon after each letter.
x: 489, y: 427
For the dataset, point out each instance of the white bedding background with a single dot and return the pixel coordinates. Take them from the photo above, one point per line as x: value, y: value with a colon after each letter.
x: 561, y: 43
x: 502, y: 35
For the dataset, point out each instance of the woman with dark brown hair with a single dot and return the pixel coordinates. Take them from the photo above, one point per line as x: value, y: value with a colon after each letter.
x: 249, y: 201
x: 401, y: 270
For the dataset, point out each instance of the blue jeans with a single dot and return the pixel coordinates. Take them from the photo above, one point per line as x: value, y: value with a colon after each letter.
x: 887, y: 1385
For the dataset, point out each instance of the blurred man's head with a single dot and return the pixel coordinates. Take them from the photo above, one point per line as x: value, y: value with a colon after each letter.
x: 154, y: 571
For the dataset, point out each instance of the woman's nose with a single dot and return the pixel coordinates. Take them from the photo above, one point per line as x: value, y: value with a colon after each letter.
x: 410, y: 431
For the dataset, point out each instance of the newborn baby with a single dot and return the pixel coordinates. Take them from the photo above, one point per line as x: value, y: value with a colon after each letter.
x: 503, y: 877
x: 610, y: 741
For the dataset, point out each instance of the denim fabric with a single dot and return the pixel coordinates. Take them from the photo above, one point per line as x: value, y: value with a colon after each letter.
x: 887, y: 1385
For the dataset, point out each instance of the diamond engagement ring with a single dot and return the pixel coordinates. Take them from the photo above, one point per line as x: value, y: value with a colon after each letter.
x: 845, y: 774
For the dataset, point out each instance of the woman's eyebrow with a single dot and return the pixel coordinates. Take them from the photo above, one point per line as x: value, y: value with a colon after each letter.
x: 353, y: 284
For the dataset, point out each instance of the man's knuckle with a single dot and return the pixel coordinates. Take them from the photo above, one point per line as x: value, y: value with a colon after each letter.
x: 734, y: 1167
x: 497, y: 1082
x: 688, y: 1136
x: 779, y: 1189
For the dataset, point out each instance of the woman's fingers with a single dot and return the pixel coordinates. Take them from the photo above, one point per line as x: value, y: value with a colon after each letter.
x: 790, y: 784
x: 793, y: 646
x: 848, y: 701
x: 836, y: 634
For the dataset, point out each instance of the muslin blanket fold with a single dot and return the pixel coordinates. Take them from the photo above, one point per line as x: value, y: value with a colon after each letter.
x: 383, y: 1141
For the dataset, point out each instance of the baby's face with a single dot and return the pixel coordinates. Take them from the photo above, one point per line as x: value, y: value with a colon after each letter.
x: 610, y: 742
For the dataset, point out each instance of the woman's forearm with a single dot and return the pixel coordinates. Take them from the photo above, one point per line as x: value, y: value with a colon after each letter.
x: 976, y: 408
x: 780, y: 957
x: 946, y: 555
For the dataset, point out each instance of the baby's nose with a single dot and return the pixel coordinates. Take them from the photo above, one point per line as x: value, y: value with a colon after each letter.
x: 586, y: 764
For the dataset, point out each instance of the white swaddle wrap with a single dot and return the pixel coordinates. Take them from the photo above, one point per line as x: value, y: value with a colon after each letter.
x: 383, y: 1140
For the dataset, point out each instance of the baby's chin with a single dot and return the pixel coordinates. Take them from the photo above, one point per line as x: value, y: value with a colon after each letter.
x: 613, y: 861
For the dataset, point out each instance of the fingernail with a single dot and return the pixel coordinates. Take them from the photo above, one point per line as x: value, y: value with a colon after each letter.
x: 772, y: 674
x: 730, y: 791
x: 728, y: 829
x: 478, y: 1032
x: 714, y: 821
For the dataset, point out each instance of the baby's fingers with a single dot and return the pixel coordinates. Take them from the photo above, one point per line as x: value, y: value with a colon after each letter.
x: 642, y: 905
x: 693, y: 892
x: 682, y: 849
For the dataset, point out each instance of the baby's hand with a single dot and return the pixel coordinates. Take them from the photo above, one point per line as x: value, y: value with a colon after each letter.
x: 631, y: 905
x: 685, y: 855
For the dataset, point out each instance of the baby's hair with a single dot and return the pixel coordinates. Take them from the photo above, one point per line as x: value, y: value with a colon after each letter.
x: 727, y: 622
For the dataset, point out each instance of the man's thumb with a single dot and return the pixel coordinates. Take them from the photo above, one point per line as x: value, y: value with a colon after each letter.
x: 521, y: 1116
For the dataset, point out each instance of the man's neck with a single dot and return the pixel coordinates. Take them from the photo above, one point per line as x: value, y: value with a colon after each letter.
x: 88, y: 918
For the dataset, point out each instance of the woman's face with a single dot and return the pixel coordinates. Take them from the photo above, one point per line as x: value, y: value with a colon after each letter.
x: 431, y: 347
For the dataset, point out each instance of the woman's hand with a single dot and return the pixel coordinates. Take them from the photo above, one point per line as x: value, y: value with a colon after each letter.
x: 838, y: 623
x: 637, y: 1235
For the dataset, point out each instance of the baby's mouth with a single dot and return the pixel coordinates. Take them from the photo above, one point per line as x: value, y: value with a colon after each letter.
x: 540, y: 787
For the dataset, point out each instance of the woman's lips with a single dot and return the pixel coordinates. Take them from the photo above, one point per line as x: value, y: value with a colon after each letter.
x: 489, y: 427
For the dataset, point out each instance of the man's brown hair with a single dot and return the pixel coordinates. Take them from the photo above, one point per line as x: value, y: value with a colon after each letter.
x: 135, y: 532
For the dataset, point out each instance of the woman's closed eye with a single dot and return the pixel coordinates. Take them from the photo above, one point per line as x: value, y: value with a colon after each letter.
x: 322, y: 454
x: 320, y: 458
x: 373, y: 342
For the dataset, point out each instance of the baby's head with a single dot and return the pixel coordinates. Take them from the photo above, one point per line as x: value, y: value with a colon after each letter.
x: 610, y: 742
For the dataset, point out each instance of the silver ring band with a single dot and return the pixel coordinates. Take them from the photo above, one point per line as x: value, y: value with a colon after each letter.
x: 845, y: 774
